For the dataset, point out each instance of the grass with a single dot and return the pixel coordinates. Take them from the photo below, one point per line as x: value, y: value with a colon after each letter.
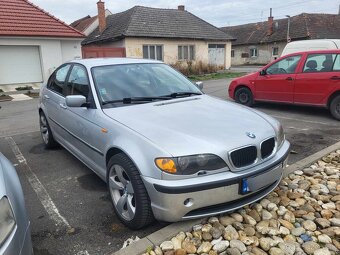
x: 5, y: 98
x: 24, y: 88
x: 32, y: 94
x: 214, y: 76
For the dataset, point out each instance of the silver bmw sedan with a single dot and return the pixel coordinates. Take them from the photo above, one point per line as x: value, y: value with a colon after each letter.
x: 165, y: 149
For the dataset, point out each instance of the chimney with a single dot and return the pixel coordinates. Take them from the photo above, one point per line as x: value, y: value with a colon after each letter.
x: 181, y: 7
x: 270, y: 23
x: 101, y: 16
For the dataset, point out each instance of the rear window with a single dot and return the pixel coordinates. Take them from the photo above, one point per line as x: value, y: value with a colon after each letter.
x: 319, y: 63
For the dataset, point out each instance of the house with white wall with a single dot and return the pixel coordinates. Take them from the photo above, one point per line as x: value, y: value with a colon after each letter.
x: 33, y: 43
x: 170, y: 35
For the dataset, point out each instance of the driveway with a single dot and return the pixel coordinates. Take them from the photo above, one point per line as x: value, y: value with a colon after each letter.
x: 70, y: 209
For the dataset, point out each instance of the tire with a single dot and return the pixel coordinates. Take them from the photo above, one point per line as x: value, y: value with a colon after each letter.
x: 244, y: 96
x: 334, y: 107
x: 46, y: 133
x: 129, y: 197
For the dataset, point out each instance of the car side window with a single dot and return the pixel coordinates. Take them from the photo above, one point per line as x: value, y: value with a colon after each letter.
x: 336, y: 66
x: 319, y: 63
x: 284, y: 66
x: 57, y: 80
x: 78, y: 82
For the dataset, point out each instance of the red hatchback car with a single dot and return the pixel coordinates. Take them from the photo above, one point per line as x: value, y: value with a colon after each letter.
x: 308, y: 78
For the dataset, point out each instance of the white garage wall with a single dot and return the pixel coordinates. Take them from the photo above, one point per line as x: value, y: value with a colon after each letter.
x: 53, y: 51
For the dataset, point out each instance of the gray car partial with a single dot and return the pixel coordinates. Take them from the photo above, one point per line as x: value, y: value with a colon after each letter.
x: 165, y: 149
x: 15, y: 233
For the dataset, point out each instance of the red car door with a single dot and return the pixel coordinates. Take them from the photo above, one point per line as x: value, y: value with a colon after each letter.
x: 317, y: 79
x: 276, y: 82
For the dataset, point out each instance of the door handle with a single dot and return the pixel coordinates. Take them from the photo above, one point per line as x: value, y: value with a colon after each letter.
x: 62, y: 105
x: 46, y: 97
x: 289, y: 79
x: 335, y: 78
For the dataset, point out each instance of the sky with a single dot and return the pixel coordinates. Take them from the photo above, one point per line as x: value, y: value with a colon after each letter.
x: 217, y: 12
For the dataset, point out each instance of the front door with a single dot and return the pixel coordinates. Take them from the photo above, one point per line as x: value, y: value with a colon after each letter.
x: 314, y: 84
x: 276, y: 83
x: 83, y: 123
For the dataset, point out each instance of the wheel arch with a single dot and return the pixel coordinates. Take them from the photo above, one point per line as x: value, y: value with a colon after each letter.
x: 332, y: 96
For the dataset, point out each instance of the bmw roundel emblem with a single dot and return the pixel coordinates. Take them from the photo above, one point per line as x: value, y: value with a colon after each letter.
x: 251, y: 135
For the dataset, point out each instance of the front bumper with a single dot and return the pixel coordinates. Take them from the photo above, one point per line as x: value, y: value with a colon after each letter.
x: 18, y: 243
x: 174, y: 200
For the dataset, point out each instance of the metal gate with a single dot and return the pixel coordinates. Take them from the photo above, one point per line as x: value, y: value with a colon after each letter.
x: 216, y: 54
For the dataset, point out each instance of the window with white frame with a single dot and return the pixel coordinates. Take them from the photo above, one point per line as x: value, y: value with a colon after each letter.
x: 253, y: 52
x: 186, y: 52
x: 275, y: 51
x: 153, y: 52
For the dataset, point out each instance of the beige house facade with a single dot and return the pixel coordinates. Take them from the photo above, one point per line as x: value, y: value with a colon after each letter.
x: 150, y: 33
x: 255, y: 54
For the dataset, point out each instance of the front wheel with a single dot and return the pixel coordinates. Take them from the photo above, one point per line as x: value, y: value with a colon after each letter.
x: 334, y: 107
x: 244, y: 96
x: 46, y: 132
x: 129, y: 197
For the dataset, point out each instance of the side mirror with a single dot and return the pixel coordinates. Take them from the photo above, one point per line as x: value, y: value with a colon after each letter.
x: 199, y: 84
x: 263, y: 72
x: 75, y: 101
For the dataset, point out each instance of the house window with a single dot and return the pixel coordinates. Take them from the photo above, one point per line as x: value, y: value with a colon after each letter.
x: 153, y: 52
x: 232, y: 53
x: 275, y: 51
x: 253, y: 52
x: 186, y: 52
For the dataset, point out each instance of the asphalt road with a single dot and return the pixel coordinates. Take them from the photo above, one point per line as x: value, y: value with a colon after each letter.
x: 69, y: 206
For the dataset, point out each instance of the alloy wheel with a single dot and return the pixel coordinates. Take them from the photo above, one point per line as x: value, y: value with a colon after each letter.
x: 122, y: 192
x: 44, y: 129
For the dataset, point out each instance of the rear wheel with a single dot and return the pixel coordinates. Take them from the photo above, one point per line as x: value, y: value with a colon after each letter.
x: 129, y: 197
x: 334, y: 107
x: 46, y: 132
x: 244, y: 96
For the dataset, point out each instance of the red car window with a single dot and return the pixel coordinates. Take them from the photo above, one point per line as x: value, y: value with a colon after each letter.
x: 286, y: 65
x: 319, y: 63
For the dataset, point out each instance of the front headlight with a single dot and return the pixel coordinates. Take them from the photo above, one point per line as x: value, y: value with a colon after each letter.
x: 190, y: 164
x: 280, y: 136
x: 7, y: 221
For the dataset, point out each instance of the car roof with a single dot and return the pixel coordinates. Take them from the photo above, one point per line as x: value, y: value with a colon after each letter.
x: 92, y: 62
x: 334, y: 51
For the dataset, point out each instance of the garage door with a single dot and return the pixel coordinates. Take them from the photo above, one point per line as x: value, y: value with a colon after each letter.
x: 216, y: 54
x: 20, y: 64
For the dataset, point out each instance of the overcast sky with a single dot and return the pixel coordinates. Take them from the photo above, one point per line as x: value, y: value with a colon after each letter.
x: 217, y: 12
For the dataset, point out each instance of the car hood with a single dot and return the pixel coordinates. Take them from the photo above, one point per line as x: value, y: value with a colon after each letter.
x: 2, y: 179
x: 194, y: 125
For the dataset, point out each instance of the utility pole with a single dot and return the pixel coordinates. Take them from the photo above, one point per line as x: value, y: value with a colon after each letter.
x: 288, y: 35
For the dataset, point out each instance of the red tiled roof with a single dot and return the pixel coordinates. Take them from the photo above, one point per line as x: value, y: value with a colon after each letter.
x: 83, y: 23
x: 22, y: 18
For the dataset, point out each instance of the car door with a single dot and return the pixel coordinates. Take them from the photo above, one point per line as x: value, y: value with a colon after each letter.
x: 54, y: 101
x: 276, y: 83
x: 84, y: 124
x: 314, y: 83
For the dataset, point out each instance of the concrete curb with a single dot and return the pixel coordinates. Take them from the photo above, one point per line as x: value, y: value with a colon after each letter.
x: 172, y: 230
x: 310, y: 159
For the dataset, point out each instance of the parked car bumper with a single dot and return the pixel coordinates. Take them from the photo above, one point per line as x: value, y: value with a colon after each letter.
x: 213, y: 194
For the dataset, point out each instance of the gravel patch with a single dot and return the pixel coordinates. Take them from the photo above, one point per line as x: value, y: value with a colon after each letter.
x: 302, y: 216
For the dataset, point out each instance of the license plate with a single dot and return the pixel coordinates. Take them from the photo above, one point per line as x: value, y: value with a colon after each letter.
x: 254, y: 183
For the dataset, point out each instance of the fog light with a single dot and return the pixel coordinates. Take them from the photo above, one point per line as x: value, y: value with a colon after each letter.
x: 188, y: 202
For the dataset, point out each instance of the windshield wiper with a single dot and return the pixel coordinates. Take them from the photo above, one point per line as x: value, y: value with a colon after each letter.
x: 181, y: 94
x: 130, y: 100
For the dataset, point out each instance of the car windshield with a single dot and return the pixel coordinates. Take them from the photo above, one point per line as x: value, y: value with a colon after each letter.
x: 122, y: 84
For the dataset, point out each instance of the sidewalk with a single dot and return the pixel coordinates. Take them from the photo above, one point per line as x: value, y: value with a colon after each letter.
x: 10, y: 92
